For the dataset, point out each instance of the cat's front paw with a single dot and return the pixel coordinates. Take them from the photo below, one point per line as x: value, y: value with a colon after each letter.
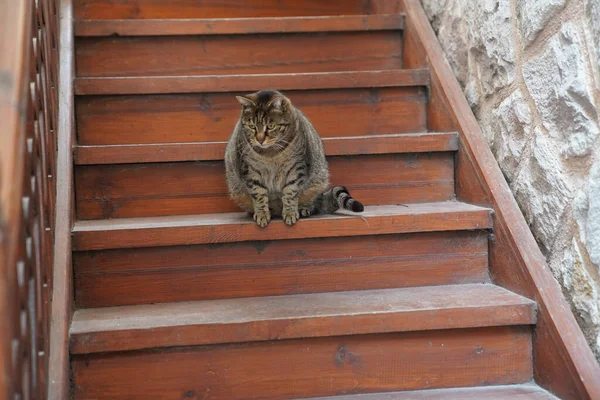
x: 290, y: 217
x: 262, y: 218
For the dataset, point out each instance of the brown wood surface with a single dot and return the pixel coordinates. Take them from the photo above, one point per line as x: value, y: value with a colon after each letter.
x: 311, y: 367
x: 127, y: 328
x: 145, y: 190
x: 243, y: 26
x: 527, y: 391
x: 15, y: 54
x: 59, y: 380
x: 211, y: 117
x: 28, y: 117
x: 267, y: 268
x: 207, y: 151
x: 563, y: 361
x: 251, y: 82
x: 237, y: 54
x: 136, y: 9
x: 233, y: 227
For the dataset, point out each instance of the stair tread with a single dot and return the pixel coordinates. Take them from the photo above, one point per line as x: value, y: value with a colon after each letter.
x: 237, y: 227
x: 251, y: 82
x: 206, y: 151
x: 294, y: 316
x: 218, y: 26
x: 516, y: 392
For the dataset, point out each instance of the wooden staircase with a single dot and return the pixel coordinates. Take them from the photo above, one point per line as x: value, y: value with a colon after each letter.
x: 177, y: 295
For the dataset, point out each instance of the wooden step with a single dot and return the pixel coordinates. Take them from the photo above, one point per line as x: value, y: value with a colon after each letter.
x: 240, y: 26
x: 237, y: 227
x: 141, y: 9
x: 297, y: 316
x: 259, y: 53
x: 198, y: 187
x: 140, y: 190
x: 209, y: 151
x: 311, y: 367
x: 527, y: 391
x: 119, y: 277
x: 210, y: 117
x: 343, y: 79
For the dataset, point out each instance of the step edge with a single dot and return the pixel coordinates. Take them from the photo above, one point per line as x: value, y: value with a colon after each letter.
x: 164, y: 84
x: 201, y: 151
x: 240, y: 26
x: 200, y: 229
x: 530, y: 388
x: 193, y: 219
x: 495, y: 290
x: 522, y: 312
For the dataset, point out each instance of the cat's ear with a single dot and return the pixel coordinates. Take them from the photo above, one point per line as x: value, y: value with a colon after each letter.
x: 245, y: 101
x: 280, y: 104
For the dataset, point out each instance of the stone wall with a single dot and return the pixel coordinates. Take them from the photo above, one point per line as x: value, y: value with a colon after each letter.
x: 529, y: 69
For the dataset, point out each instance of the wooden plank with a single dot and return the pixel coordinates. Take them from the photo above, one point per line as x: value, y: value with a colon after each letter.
x: 527, y: 391
x: 135, y: 9
x: 296, y: 316
x: 144, y: 190
x: 267, y: 268
x: 15, y: 55
x: 295, y: 368
x: 207, y: 151
x: 242, y: 26
x: 210, y: 117
x: 195, y: 55
x: 234, y: 227
x: 251, y: 82
x: 59, y: 380
x: 563, y: 361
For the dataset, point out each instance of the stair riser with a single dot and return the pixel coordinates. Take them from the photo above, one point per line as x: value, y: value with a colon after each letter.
x: 211, y: 117
x: 311, y: 367
x: 238, y: 54
x: 202, y: 272
x: 138, y: 9
x: 139, y: 190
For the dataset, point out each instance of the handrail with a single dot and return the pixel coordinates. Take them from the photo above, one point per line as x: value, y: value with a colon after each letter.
x: 28, y: 116
x: 62, y: 297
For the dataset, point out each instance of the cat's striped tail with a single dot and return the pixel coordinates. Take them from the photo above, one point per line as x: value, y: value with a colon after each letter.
x: 338, y: 197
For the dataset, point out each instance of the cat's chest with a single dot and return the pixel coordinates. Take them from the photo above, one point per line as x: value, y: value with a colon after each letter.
x: 274, y: 178
x: 272, y: 175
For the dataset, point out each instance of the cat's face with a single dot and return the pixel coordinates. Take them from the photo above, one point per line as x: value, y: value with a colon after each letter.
x: 265, y: 117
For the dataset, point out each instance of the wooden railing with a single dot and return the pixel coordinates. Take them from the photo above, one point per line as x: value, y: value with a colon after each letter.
x: 28, y: 148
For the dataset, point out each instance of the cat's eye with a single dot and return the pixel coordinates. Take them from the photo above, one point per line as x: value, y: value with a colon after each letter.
x: 251, y: 125
x: 271, y: 126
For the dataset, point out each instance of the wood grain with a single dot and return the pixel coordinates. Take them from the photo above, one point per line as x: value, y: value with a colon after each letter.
x: 237, y: 54
x: 251, y: 82
x: 59, y: 382
x: 527, y: 391
x: 233, y: 227
x: 242, y: 26
x: 563, y: 361
x: 268, y: 268
x: 208, y: 151
x: 296, y: 316
x: 15, y: 54
x: 144, y: 190
x: 311, y: 367
x: 136, y: 9
x: 211, y: 117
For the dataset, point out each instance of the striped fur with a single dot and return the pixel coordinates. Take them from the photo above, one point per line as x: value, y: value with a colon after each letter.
x: 275, y: 163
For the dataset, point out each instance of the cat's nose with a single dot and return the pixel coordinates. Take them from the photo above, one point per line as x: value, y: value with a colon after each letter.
x: 260, y: 138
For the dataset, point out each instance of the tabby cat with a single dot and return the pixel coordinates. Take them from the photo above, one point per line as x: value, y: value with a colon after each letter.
x: 275, y: 164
